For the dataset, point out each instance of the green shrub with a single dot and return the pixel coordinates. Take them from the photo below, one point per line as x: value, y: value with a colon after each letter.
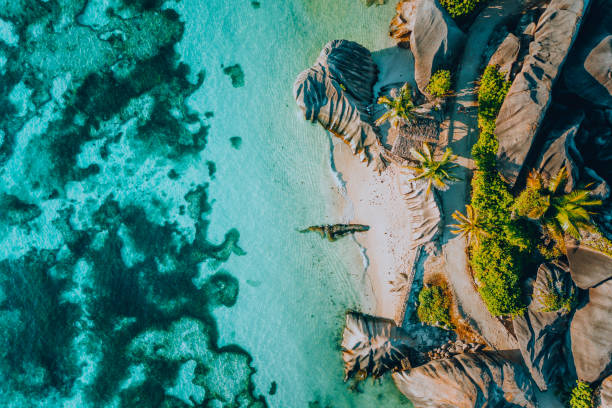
x: 434, y: 306
x: 440, y: 84
x: 491, y: 93
x: 581, y: 396
x: 458, y: 8
x: 500, y: 259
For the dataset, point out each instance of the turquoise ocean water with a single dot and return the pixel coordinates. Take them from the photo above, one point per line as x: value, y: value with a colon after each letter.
x: 155, y: 173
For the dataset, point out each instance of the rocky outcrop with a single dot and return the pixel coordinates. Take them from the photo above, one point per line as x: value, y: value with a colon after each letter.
x: 588, y: 267
x: 335, y: 231
x: 541, y: 333
x: 373, y: 346
x: 506, y: 54
x: 470, y: 380
x: 529, y: 96
x: 588, y: 73
x: 435, y: 39
x: 337, y: 91
x: 560, y: 149
x: 591, y: 335
x: 603, y: 398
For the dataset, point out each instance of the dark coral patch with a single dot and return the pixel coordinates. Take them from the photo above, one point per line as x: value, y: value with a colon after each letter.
x: 236, y: 75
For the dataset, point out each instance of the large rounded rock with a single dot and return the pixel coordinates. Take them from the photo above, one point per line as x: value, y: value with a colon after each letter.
x: 435, y: 39
x: 336, y: 92
x: 591, y: 335
x: 540, y: 332
x: 469, y: 380
x: 589, y: 68
x: 588, y: 266
x: 604, y: 394
x: 373, y: 346
x: 529, y: 96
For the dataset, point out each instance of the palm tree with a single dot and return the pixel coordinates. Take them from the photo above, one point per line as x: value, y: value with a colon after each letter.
x: 437, y: 173
x: 558, y: 212
x: 469, y: 225
x: 399, y: 108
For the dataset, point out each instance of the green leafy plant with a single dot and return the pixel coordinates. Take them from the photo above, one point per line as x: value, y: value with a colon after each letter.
x: 499, y: 259
x: 437, y: 173
x: 399, y: 108
x: 440, y: 84
x: 434, y: 306
x: 469, y: 225
x: 581, y: 396
x: 558, y: 212
x: 459, y: 8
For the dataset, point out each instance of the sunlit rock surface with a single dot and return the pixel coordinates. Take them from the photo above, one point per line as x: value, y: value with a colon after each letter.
x: 435, y: 39
x: 529, y: 96
x: 541, y: 333
x: 469, y: 380
x: 588, y: 267
x: 591, y: 335
x: 337, y: 92
x: 374, y: 345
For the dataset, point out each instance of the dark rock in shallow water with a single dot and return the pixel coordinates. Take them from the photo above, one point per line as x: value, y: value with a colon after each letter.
x: 335, y: 231
x: 470, y: 380
x: 588, y: 73
x: 591, y: 335
x: 541, y: 333
x: 337, y: 91
x: 435, y: 39
x: 529, y: 97
x: 236, y: 75
x: 373, y: 346
x: 16, y: 211
x: 588, y: 266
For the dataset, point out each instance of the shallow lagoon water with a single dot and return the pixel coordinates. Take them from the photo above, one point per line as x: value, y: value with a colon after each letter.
x: 150, y: 246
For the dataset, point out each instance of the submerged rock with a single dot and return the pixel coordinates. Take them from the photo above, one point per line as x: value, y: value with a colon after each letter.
x: 588, y: 73
x: 335, y: 231
x: 591, y: 335
x: 435, y: 39
x: 337, y: 91
x: 541, y: 333
x: 470, y: 380
x: 373, y: 346
x: 529, y: 96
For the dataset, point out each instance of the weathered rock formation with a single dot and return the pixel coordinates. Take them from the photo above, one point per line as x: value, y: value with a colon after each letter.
x: 588, y: 73
x: 530, y: 94
x: 335, y: 231
x: 470, y: 380
x: 373, y: 346
x: 588, y: 267
x: 452, y: 348
x: 506, y: 54
x: 604, y: 394
x: 591, y: 335
x: 337, y: 91
x: 541, y: 334
x: 435, y: 39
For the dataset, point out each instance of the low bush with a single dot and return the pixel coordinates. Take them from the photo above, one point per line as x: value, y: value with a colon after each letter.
x: 581, y: 396
x: 440, y: 84
x: 434, y: 306
x: 459, y: 8
x: 491, y: 93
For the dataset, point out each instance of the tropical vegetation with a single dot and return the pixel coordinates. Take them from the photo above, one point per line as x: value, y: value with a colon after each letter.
x: 459, y: 8
x: 437, y: 173
x: 499, y: 260
x: 434, y: 306
x: 399, y: 107
x: 440, y: 84
x: 469, y: 225
x: 581, y: 396
x: 558, y: 212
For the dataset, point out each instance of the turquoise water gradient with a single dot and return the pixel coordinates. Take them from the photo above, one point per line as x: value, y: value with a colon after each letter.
x: 155, y: 172
x: 278, y: 182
